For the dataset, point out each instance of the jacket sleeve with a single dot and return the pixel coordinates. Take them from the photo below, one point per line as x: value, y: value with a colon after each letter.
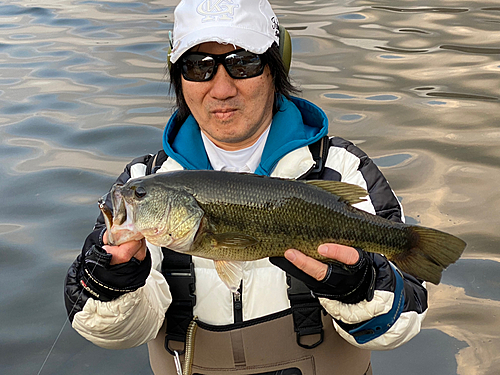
x: 399, y: 305
x: 126, y: 317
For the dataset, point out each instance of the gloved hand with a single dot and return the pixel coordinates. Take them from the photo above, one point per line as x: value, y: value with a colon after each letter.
x: 344, y: 283
x: 106, y: 282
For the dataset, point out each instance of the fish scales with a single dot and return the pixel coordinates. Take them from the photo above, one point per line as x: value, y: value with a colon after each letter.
x: 270, y: 212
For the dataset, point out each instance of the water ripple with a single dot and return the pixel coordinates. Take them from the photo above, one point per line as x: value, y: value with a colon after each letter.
x: 417, y: 31
x: 393, y: 160
x: 422, y: 9
x: 471, y: 49
x: 15, y: 10
x: 401, y: 50
x: 456, y: 95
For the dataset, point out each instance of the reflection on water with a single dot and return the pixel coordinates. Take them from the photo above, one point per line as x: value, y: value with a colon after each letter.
x: 83, y: 90
x: 474, y: 321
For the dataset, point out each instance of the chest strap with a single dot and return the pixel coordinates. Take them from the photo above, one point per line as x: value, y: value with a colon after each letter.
x: 178, y: 270
x: 306, y: 309
x: 306, y: 313
x: 155, y: 162
x: 319, y: 151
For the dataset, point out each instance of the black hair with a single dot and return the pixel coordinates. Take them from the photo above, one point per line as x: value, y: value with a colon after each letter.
x: 281, y: 81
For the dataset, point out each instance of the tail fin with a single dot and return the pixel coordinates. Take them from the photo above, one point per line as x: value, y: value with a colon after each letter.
x: 432, y: 253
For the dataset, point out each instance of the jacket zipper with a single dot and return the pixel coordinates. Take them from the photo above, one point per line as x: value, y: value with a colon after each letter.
x: 238, y: 305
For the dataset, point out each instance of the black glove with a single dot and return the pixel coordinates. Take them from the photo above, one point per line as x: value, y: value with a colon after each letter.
x: 107, y: 282
x: 344, y: 283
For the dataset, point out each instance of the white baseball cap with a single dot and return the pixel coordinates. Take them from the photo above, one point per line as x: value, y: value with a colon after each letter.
x: 249, y: 24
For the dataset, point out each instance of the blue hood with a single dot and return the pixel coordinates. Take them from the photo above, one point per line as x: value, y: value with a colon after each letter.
x: 297, y: 123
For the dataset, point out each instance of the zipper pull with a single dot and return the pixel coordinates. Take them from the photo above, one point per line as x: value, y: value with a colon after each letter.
x: 238, y: 305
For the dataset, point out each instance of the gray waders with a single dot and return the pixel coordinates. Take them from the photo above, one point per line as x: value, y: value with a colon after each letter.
x: 266, y: 347
x: 300, y: 340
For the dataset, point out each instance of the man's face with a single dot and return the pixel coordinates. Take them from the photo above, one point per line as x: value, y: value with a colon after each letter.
x: 232, y: 113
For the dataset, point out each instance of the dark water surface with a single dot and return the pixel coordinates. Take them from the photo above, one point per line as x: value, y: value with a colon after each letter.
x: 82, y: 91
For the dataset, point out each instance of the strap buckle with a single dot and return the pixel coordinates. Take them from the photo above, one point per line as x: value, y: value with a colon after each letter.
x: 182, y: 285
x: 318, y: 167
x: 321, y: 333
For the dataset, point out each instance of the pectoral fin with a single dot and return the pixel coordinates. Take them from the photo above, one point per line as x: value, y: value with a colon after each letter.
x: 230, y: 272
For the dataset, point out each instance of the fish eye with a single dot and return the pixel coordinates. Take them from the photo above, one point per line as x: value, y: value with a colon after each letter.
x: 140, y: 192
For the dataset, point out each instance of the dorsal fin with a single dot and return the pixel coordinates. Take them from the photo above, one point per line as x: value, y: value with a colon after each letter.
x: 349, y: 193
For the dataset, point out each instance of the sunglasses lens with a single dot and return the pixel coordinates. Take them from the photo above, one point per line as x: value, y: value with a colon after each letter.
x: 244, y: 64
x: 197, y: 67
x: 201, y: 67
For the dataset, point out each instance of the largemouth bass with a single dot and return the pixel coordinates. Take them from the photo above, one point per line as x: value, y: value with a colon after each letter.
x: 234, y: 217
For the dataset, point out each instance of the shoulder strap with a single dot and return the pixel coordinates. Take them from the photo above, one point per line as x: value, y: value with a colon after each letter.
x: 306, y: 313
x: 306, y: 309
x: 155, y: 162
x: 319, y: 151
x: 178, y: 270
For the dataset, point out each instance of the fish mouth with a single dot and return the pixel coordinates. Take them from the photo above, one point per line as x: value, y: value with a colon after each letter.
x: 106, y: 212
x: 119, y: 205
x: 119, y: 222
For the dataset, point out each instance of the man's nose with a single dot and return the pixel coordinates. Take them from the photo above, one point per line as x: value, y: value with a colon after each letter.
x: 223, y: 86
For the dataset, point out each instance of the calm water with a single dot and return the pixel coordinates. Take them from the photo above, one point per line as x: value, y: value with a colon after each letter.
x: 82, y: 91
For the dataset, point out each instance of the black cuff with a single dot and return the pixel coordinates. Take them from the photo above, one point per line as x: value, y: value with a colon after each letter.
x: 107, y: 282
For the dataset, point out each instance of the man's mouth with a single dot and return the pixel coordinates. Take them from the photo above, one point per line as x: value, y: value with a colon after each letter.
x: 223, y: 114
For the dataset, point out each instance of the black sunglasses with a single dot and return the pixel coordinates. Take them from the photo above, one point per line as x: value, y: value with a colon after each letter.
x: 239, y: 64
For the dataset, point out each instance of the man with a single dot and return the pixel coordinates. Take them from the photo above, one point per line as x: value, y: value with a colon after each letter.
x: 291, y: 316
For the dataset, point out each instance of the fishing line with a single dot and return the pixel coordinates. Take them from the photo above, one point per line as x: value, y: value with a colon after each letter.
x: 63, y: 326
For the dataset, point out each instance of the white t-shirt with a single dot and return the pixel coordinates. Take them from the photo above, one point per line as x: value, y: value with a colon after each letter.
x: 244, y: 160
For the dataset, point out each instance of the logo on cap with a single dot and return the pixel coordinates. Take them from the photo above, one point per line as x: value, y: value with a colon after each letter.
x: 217, y: 10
